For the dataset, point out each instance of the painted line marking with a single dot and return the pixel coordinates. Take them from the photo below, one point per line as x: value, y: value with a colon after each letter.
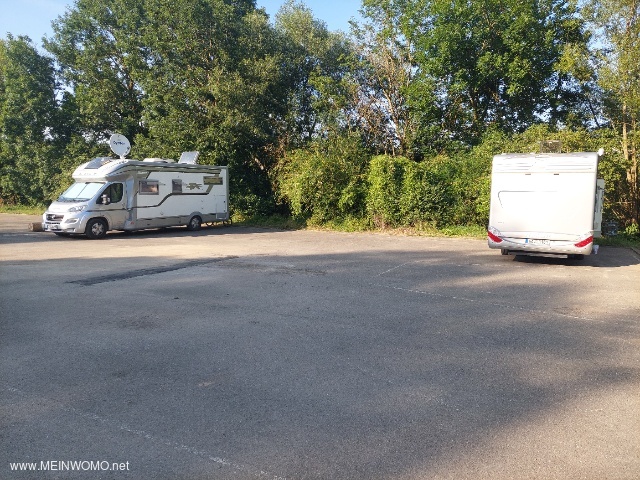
x: 474, y: 300
x: 147, y: 436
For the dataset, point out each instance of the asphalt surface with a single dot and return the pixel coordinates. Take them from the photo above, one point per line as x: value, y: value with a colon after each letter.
x: 240, y: 353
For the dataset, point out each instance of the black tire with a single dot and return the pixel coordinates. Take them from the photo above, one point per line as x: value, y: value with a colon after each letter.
x: 194, y: 224
x: 504, y: 251
x: 96, y: 229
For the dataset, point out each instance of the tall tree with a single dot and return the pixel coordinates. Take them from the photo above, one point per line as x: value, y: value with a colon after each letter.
x: 618, y: 22
x: 96, y: 48
x: 27, y: 117
x: 387, y: 71
x: 485, y: 63
x: 214, y: 83
x: 177, y: 75
x: 317, y: 65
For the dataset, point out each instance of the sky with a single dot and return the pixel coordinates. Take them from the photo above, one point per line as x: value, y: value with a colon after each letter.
x: 33, y: 17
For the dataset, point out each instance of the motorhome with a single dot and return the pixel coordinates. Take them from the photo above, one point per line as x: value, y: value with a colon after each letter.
x: 549, y: 204
x: 125, y: 194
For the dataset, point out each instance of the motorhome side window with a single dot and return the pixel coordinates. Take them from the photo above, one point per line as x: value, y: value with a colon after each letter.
x: 176, y: 186
x: 149, y: 187
x: 113, y: 193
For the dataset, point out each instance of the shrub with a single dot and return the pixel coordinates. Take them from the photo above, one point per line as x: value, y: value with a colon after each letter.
x: 324, y: 181
x: 406, y: 193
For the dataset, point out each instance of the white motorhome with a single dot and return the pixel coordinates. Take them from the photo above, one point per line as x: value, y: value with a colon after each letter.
x: 124, y: 194
x: 545, y: 203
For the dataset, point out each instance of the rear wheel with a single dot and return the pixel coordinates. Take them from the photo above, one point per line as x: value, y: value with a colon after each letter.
x: 96, y: 229
x: 195, y: 223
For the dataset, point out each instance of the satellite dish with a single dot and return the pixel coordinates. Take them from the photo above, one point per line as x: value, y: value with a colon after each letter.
x: 119, y: 145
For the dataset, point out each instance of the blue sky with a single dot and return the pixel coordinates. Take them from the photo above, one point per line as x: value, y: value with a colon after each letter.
x: 33, y: 17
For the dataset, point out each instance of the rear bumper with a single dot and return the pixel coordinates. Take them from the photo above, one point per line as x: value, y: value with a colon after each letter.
x: 579, y: 245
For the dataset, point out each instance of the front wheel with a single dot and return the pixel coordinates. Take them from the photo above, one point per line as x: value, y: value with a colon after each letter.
x: 96, y: 229
x: 194, y: 224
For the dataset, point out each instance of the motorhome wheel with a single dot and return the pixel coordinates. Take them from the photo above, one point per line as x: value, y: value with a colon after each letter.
x: 194, y: 224
x: 96, y: 228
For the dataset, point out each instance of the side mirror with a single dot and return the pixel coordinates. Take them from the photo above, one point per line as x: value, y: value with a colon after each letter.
x: 105, y: 200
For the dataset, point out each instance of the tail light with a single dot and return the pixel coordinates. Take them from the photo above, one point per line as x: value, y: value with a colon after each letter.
x: 584, y: 242
x: 494, y: 235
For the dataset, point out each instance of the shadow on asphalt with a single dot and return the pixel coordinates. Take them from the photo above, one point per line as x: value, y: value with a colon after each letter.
x: 332, y: 366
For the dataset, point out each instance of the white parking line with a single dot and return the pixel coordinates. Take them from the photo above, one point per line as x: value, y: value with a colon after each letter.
x: 476, y: 300
x: 244, y: 469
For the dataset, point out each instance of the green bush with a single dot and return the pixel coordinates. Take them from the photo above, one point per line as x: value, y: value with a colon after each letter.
x: 324, y: 181
x: 384, y: 182
x: 405, y: 193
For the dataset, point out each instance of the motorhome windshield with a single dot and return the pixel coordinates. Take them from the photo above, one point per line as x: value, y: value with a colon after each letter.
x: 80, y: 192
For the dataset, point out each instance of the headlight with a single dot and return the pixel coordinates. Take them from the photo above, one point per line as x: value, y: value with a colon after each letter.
x: 79, y: 208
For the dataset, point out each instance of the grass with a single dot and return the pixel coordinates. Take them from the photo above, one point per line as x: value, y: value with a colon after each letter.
x: 271, y: 221
x: 363, y: 225
x: 623, y: 240
x: 23, y: 210
x: 351, y: 224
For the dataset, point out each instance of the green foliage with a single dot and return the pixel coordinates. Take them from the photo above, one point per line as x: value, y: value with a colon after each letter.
x: 317, y: 64
x: 482, y: 63
x: 295, y: 110
x: 406, y: 193
x: 324, y: 181
x: 618, y: 59
x: 632, y: 230
x: 384, y: 180
x: 94, y: 44
x: 27, y: 109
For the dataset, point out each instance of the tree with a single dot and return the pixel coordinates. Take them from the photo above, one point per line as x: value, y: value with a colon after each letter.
x: 178, y: 75
x: 618, y: 23
x: 387, y: 71
x: 484, y: 64
x: 95, y: 44
x: 214, y: 83
x: 317, y: 65
x: 27, y: 117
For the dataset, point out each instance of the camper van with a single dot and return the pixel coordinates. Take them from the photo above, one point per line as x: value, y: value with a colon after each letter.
x: 545, y: 204
x: 124, y: 194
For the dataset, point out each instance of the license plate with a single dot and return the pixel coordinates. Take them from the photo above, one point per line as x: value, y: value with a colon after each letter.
x: 53, y: 227
x: 536, y: 241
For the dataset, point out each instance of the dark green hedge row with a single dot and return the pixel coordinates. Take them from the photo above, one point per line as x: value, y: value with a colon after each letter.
x: 337, y: 179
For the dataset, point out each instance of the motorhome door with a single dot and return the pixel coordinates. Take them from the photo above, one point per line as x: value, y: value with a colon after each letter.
x: 111, y: 202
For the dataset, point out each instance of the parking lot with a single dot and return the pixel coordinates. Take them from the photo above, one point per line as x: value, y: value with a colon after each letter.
x: 233, y: 353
